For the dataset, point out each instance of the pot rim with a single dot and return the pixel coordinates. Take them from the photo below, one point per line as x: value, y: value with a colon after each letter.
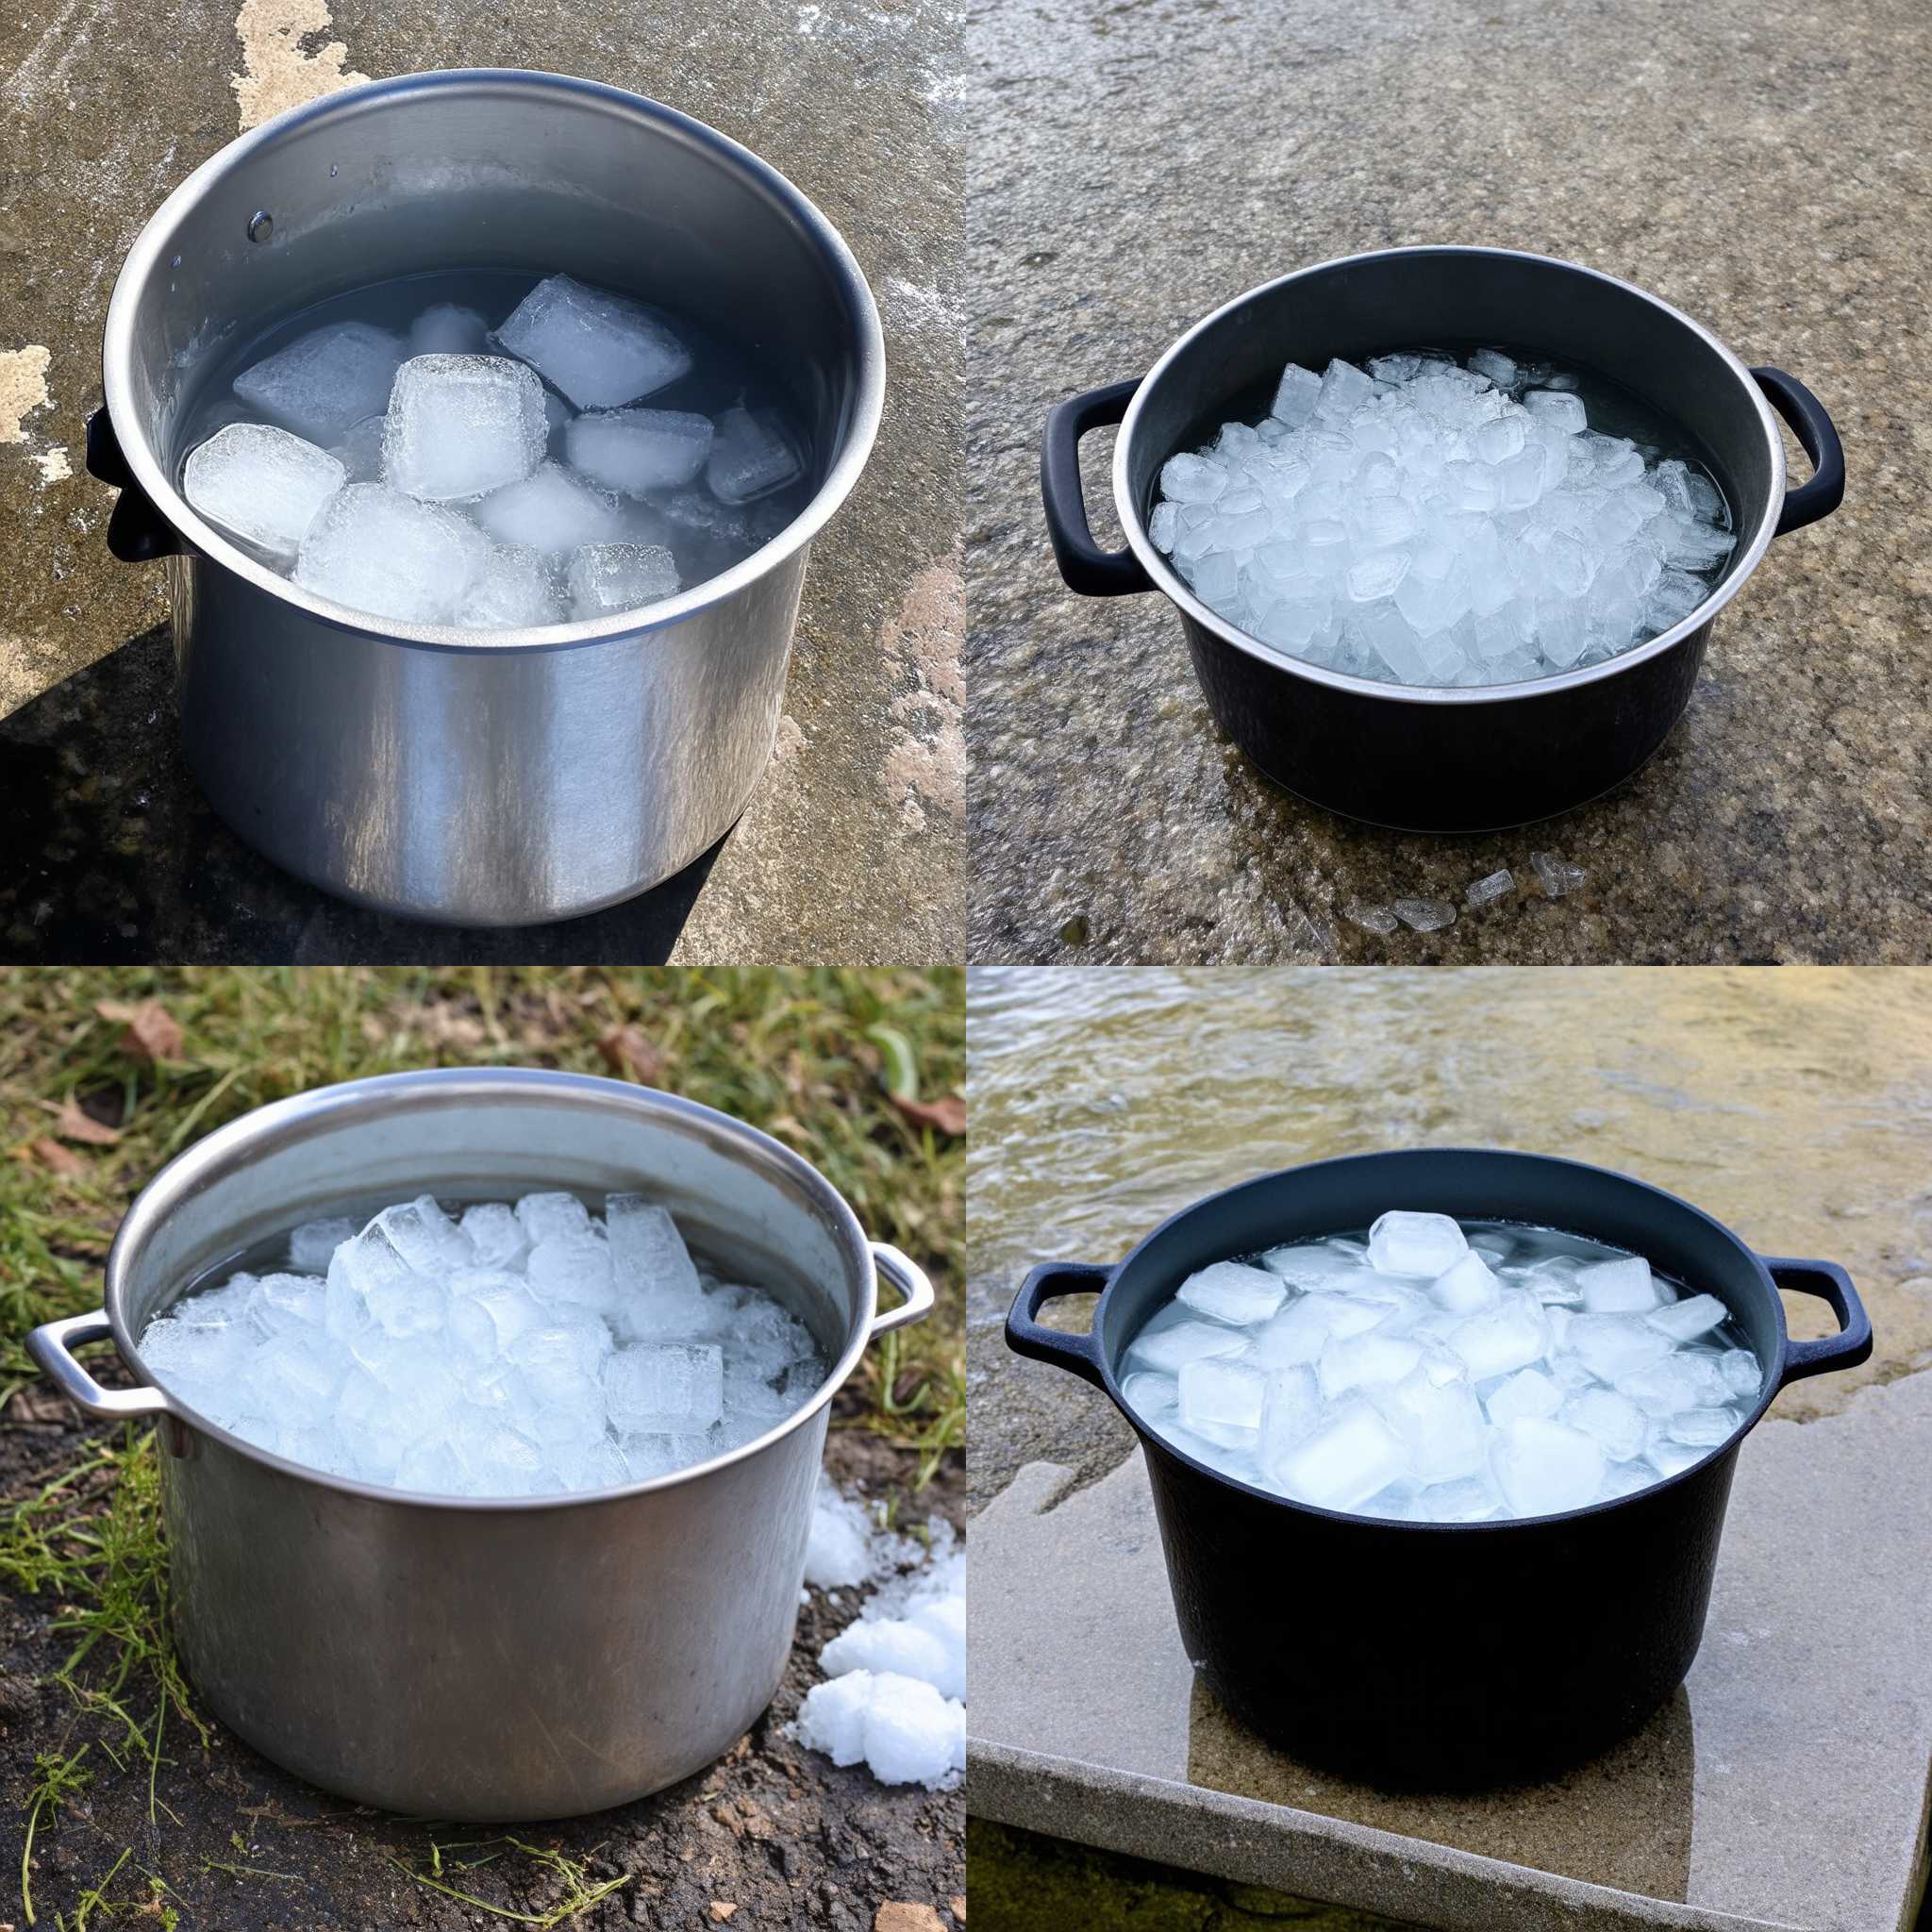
x: 1504, y: 1524
x: 215, y: 1155
x: 143, y: 260
x: 1169, y: 583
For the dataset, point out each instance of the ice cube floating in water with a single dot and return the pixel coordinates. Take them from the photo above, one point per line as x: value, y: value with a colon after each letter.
x: 1426, y: 522
x: 477, y: 525
x: 496, y: 1350
x: 1440, y: 1370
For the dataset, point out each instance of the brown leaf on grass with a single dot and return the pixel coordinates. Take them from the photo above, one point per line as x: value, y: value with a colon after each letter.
x: 152, y: 1032
x: 53, y: 1157
x: 628, y: 1052
x: 76, y: 1124
x: 947, y: 1116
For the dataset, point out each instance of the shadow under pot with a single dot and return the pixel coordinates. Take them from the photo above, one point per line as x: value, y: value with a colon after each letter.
x: 469, y: 1657
x: 1428, y: 758
x: 1440, y: 1655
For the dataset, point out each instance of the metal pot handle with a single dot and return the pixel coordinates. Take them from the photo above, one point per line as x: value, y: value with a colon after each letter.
x: 1087, y: 568
x: 137, y: 531
x: 1080, y: 1354
x: 911, y: 1282
x: 51, y: 1347
x: 1850, y: 1346
x: 1825, y: 489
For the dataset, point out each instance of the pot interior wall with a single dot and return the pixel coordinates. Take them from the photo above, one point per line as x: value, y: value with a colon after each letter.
x: 1446, y: 298
x: 532, y: 173
x: 486, y: 1141
x: 1334, y: 1197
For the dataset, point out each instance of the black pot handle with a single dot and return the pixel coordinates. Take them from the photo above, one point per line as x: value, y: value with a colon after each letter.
x: 1024, y: 1335
x: 1850, y: 1346
x: 137, y: 531
x: 1825, y: 489
x: 1087, y: 568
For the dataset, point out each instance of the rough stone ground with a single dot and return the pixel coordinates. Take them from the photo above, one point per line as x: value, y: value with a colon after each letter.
x: 851, y: 846
x: 1135, y: 163
x: 772, y: 1830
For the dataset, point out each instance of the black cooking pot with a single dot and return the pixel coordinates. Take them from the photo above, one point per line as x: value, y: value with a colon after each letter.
x: 1440, y: 1655
x: 1427, y: 760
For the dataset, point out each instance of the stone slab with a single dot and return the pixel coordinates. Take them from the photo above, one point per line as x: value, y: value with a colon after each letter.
x: 1786, y: 1786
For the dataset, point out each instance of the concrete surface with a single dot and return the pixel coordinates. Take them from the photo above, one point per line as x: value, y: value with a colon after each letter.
x: 1786, y: 1785
x: 1765, y: 167
x: 850, y: 849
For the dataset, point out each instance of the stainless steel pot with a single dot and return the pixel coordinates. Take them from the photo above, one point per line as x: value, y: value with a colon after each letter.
x: 473, y: 1659
x: 1427, y: 759
x: 513, y: 776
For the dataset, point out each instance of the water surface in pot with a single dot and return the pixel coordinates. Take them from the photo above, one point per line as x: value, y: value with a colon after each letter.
x: 584, y: 494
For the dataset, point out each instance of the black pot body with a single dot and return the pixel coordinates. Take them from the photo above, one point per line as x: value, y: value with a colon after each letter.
x: 1442, y: 1656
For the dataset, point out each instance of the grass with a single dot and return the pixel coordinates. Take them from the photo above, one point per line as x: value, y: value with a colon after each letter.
x: 823, y: 1058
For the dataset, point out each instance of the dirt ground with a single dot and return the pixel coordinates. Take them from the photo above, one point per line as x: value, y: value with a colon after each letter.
x: 771, y: 1835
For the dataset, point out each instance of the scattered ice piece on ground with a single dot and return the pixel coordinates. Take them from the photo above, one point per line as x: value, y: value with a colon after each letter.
x: 633, y: 451
x: 386, y: 554
x: 847, y: 1547
x: 551, y: 510
x: 261, y: 485
x: 322, y: 382
x: 1557, y: 876
x: 1496, y: 884
x: 1369, y: 918
x: 460, y: 425
x: 606, y: 578
x: 600, y: 349
x: 902, y: 1728
x: 751, y: 455
x: 1425, y: 915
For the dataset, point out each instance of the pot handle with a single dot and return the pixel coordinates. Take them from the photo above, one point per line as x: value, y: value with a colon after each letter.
x: 1850, y: 1346
x: 1825, y: 489
x: 50, y: 1345
x: 1025, y: 1334
x: 1086, y: 567
x: 911, y: 1282
x: 137, y: 531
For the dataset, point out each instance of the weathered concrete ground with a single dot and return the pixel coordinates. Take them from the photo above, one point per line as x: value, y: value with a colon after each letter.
x: 1763, y: 166
x: 850, y: 848
x: 776, y: 1834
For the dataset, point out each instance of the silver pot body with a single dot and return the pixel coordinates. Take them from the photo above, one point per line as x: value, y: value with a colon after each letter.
x: 514, y: 776
x: 462, y: 1658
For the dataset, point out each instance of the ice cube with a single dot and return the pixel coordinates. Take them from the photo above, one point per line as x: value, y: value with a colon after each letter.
x: 1440, y: 1421
x: 1233, y: 1292
x: 664, y: 1388
x: 322, y: 382
x: 551, y: 510
x: 1546, y: 1467
x: 462, y: 425
x: 380, y: 552
x: 1685, y: 1321
x: 1501, y: 1339
x: 1294, y: 397
x: 1615, y: 1423
x: 1301, y: 1330
x: 1622, y: 1287
x: 1702, y: 1428
x: 488, y: 1311
x: 1527, y: 1392
x: 261, y: 485
x: 1172, y: 1339
x: 1289, y: 1413
x: 1486, y: 890
x: 1319, y: 1267
x: 1217, y: 1392
x: 752, y: 453
x: 1612, y: 1346
x: 312, y: 1247
x: 495, y: 1234
x: 1344, y: 390
x: 606, y: 578
x: 1741, y: 1374
x: 573, y: 1268
x: 448, y: 329
x: 282, y: 1303
x: 1557, y: 877
x: 1425, y: 915
x: 600, y: 349
x: 1369, y: 918
x: 1420, y: 1246
x: 514, y: 590
x: 1663, y: 1386
x: 1466, y: 1284
x: 1344, y: 1461
x: 1557, y: 409
x: 294, y: 1378
x: 426, y: 1238
x: 1497, y: 367
x: 1365, y: 1361
x: 633, y: 451
x: 1151, y: 1396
